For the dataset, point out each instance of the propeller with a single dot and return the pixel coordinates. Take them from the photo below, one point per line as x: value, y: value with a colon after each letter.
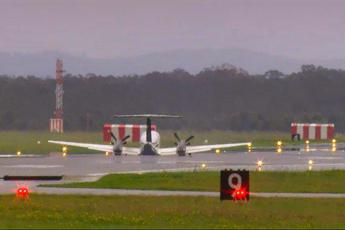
x: 118, y: 144
x: 182, y: 144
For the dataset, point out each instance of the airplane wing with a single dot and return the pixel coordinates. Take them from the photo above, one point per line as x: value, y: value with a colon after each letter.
x: 98, y: 147
x: 199, y: 148
x: 203, y: 148
x: 167, y: 151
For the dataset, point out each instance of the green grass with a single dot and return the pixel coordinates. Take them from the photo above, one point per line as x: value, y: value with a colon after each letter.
x: 26, y: 142
x: 67, y: 211
x: 310, y: 181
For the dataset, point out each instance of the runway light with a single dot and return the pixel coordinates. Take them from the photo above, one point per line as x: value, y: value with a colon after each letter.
x: 217, y: 151
x: 107, y: 153
x: 203, y: 166
x: 279, y: 143
x: 334, y: 141
x: 19, y: 153
x: 307, y: 142
x: 334, y: 148
x: 279, y: 150
x: 206, y: 141
x: 259, y: 163
x: 64, y: 149
x: 64, y: 154
x: 38, y: 142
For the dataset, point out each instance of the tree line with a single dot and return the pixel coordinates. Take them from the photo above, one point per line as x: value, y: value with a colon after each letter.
x: 225, y: 99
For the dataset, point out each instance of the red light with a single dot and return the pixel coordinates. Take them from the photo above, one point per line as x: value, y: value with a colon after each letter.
x: 22, y: 192
x: 239, y: 194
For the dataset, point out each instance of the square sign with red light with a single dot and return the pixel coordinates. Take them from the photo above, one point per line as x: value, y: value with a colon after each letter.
x: 234, y: 185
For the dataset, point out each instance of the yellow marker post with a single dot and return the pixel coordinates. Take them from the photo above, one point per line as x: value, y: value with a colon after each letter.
x: 306, y: 145
x: 64, y: 151
x: 259, y: 164
x: 310, y: 165
x: 249, y: 147
x: 279, y: 146
x: 334, y: 148
x: 334, y: 145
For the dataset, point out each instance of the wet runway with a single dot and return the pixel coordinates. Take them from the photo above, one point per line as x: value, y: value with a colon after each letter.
x: 94, y: 165
x: 86, y: 167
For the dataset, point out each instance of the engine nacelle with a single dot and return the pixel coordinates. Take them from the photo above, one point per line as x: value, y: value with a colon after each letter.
x: 117, y: 151
x: 181, y: 153
x: 181, y: 150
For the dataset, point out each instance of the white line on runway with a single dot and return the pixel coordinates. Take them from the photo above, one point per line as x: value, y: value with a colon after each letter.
x: 200, y: 162
x: 21, y: 156
x: 90, y: 191
x: 320, y: 158
x: 97, y: 174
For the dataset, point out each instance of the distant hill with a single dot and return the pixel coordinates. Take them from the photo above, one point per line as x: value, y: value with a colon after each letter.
x: 193, y: 61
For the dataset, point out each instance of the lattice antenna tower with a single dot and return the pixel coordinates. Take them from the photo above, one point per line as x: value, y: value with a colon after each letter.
x: 58, y: 114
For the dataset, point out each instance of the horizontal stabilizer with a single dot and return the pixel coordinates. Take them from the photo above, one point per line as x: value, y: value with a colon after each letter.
x: 147, y: 116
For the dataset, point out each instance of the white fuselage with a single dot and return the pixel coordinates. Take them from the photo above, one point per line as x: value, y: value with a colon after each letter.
x: 155, y: 139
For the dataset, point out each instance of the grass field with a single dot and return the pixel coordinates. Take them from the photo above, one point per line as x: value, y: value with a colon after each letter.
x: 310, y: 181
x: 36, y: 142
x: 27, y: 142
x: 48, y: 211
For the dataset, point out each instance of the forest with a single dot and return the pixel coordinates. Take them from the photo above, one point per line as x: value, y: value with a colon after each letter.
x: 215, y: 98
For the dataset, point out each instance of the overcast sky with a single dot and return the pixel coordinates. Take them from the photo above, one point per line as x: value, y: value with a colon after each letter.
x: 119, y: 28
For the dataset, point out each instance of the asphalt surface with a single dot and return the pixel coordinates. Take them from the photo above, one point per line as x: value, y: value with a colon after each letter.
x: 95, y: 165
x: 136, y: 192
x: 87, y: 167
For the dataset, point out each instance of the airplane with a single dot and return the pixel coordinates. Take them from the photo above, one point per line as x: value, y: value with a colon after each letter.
x: 149, y: 140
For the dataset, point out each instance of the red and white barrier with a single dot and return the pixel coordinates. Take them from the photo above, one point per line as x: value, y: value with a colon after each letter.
x: 56, y: 125
x: 121, y: 130
x: 309, y: 131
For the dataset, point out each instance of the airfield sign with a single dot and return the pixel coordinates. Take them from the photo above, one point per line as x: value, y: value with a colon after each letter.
x: 234, y: 185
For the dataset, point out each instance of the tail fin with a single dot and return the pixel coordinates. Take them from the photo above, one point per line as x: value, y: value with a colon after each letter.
x: 148, y: 130
x: 148, y: 121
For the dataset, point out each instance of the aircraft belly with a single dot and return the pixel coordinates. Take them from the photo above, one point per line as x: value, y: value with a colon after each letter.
x: 148, y: 150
